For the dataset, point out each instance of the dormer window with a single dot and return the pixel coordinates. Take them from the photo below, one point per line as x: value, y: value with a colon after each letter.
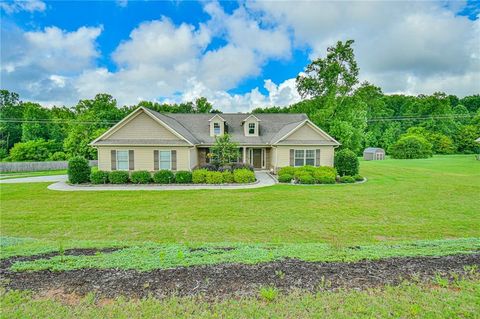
x: 216, y: 128
x: 251, y: 128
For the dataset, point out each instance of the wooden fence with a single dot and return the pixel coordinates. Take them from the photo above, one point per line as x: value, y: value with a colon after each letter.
x: 36, y: 166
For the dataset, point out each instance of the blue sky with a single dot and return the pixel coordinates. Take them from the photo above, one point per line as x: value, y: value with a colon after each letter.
x: 240, y: 55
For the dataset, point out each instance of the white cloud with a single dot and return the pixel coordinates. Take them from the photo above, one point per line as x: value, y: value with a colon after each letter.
x: 399, y: 46
x: 23, y: 5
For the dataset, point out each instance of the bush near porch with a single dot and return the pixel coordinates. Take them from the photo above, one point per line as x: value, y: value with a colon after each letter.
x: 313, y: 175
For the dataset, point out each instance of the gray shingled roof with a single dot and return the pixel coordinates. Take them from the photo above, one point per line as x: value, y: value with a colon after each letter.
x: 196, y: 127
x: 143, y: 141
x: 373, y: 150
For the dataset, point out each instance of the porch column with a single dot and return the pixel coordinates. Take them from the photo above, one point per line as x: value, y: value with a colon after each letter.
x: 244, y: 154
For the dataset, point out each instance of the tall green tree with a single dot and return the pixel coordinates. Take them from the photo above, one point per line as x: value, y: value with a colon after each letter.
x: 11, y: 115
x: 36, y: 122
x: 224, y: 151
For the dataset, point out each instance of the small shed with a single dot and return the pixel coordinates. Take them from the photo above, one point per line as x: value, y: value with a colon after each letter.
x: 373, y: 154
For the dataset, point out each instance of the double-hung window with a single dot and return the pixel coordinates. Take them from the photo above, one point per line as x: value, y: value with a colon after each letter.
x: 122, y: 160
x: 165, y: 159
x: 216, y: 128
x: 251, y: 128
x: 304, y: 157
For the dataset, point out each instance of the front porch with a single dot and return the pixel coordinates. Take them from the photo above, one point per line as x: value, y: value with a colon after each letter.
x: 257, y: 156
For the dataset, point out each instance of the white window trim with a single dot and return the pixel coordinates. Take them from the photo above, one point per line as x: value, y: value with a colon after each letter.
x: 160, y: 160
x: 304, y: 157
x: 128, y: 160
x: 254, y: 128
x: 219, y: 128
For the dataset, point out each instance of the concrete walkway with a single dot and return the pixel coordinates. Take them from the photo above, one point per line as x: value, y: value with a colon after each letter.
x: 35, y: 179
x: 263, y: 180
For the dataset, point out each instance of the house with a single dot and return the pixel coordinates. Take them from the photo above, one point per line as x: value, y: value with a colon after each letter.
x: 373, y: 154
x: 148, y: 140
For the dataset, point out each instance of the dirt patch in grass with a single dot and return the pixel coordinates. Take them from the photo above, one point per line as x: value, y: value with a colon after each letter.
x: 6, y: 263
x: 227, y: 280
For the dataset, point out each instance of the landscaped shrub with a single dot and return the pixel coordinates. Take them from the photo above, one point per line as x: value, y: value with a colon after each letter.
x: 305, y: 178
x: 227, y: 177
x: 225, y: 168
x: 183, y: 177
x: 141, y: 177
x: 358, y: 178
x: 286, y: 170
x: 208, y: 167
x: 36, y: 150
x: 307, y: 169
x: 214, y: 178
x: 164, y: 176
x: 243, y: 175
x: 58, y: 156
x: 241, y: 165
x: 199, y: 176
x: 325, y: 175
x: 285, y: 178
x: 98, y: 177
x: 118, y: 177
x: 346, y: 162
x: 78, y: 170
x: 347, y: 179
x: 411, y: 146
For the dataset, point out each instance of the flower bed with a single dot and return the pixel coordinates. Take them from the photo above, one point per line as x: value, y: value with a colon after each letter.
x: 314, y: 175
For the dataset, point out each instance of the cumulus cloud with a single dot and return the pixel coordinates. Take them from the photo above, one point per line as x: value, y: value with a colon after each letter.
x: 404, y: 47
x: 399, y: 46
x: 23, y: 5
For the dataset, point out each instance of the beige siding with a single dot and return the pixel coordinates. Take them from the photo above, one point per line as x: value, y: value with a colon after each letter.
x: 283, y: 154
x: 143, y: 157
x: 143, y: 126
x: 193, y: 157
x: 307, y: 133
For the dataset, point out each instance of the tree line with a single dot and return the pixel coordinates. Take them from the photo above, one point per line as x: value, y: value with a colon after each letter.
x: 357, y: 114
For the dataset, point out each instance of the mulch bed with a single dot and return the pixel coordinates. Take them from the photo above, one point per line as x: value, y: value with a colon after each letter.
x: 228, y: 280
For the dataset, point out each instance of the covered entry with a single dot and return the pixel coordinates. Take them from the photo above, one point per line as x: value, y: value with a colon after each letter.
x: 257, y: 157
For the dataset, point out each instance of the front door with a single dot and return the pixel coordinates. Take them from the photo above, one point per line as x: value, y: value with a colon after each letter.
x: 257, y: 158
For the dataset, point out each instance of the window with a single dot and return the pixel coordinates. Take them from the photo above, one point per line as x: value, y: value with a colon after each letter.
x: 310, y: 157
x: 251, y: 128
x: 122, y: 160
x: 299, y: 157
x: 165, y: 159
x: 216, y: 128
x: 304, y: 157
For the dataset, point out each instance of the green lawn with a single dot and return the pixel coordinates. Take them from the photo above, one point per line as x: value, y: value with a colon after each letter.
x: 456, y: 300
x: 435, y: 198
x: 10, y: 175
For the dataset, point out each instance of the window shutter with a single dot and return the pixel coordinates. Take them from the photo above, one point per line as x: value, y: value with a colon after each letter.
x: 292, y: 157
x: 174, y: 160
x: 155, y: 160
x: 113, y: 160
x: 131, y: 160
x: 317, y: 157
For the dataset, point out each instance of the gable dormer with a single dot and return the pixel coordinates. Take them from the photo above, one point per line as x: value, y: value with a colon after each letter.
x: 217, y: 125
x: 251, y: 126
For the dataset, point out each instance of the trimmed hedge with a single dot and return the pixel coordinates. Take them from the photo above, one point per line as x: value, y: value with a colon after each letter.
x: 118, y: 177
x: 214, y: 178
x: 141, y: 177
x: 164, y: 176
x: 347, y: 179
x: 287, y: 170
x: 346, y: 162
x: 305, y: 178
x: 183, y: 177
x: 78, y: 170
x: 243, y: 175
x: 199, y: 176
x: 227, y: 177
x: 285, y: 178
x: 325, y: 175
x: 98, y: 177
x: 358, y: 177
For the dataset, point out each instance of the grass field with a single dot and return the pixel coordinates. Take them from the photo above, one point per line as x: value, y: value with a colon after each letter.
x: 10, y: 175
x: 435, y: 198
